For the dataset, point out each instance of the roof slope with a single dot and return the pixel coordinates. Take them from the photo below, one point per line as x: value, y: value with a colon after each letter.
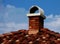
x: 45, y: 36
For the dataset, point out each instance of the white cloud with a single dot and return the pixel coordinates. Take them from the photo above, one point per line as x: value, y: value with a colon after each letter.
x: 11, y: 13
x: 10, y: 6
x: 53, y: 22
x: 12, y: 18
x: 50, y: 16
x: 11, y: 26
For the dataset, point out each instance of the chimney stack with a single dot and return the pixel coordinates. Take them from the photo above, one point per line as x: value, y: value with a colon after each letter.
x: 36, y: 20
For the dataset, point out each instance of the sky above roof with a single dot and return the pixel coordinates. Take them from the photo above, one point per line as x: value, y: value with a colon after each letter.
x: 13, y: 14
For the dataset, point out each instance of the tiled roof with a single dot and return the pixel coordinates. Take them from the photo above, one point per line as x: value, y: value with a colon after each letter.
x: 45, y: 36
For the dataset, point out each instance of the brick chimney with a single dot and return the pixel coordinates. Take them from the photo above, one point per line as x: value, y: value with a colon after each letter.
x: 36, y: 20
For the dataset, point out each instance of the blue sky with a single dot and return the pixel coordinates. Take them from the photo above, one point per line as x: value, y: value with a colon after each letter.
x: 13, y: 14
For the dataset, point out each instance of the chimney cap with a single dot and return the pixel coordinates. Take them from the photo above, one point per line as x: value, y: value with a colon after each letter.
x: 35, y: 8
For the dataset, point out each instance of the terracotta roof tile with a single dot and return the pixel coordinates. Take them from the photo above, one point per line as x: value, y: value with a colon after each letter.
x: 45, y: 36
